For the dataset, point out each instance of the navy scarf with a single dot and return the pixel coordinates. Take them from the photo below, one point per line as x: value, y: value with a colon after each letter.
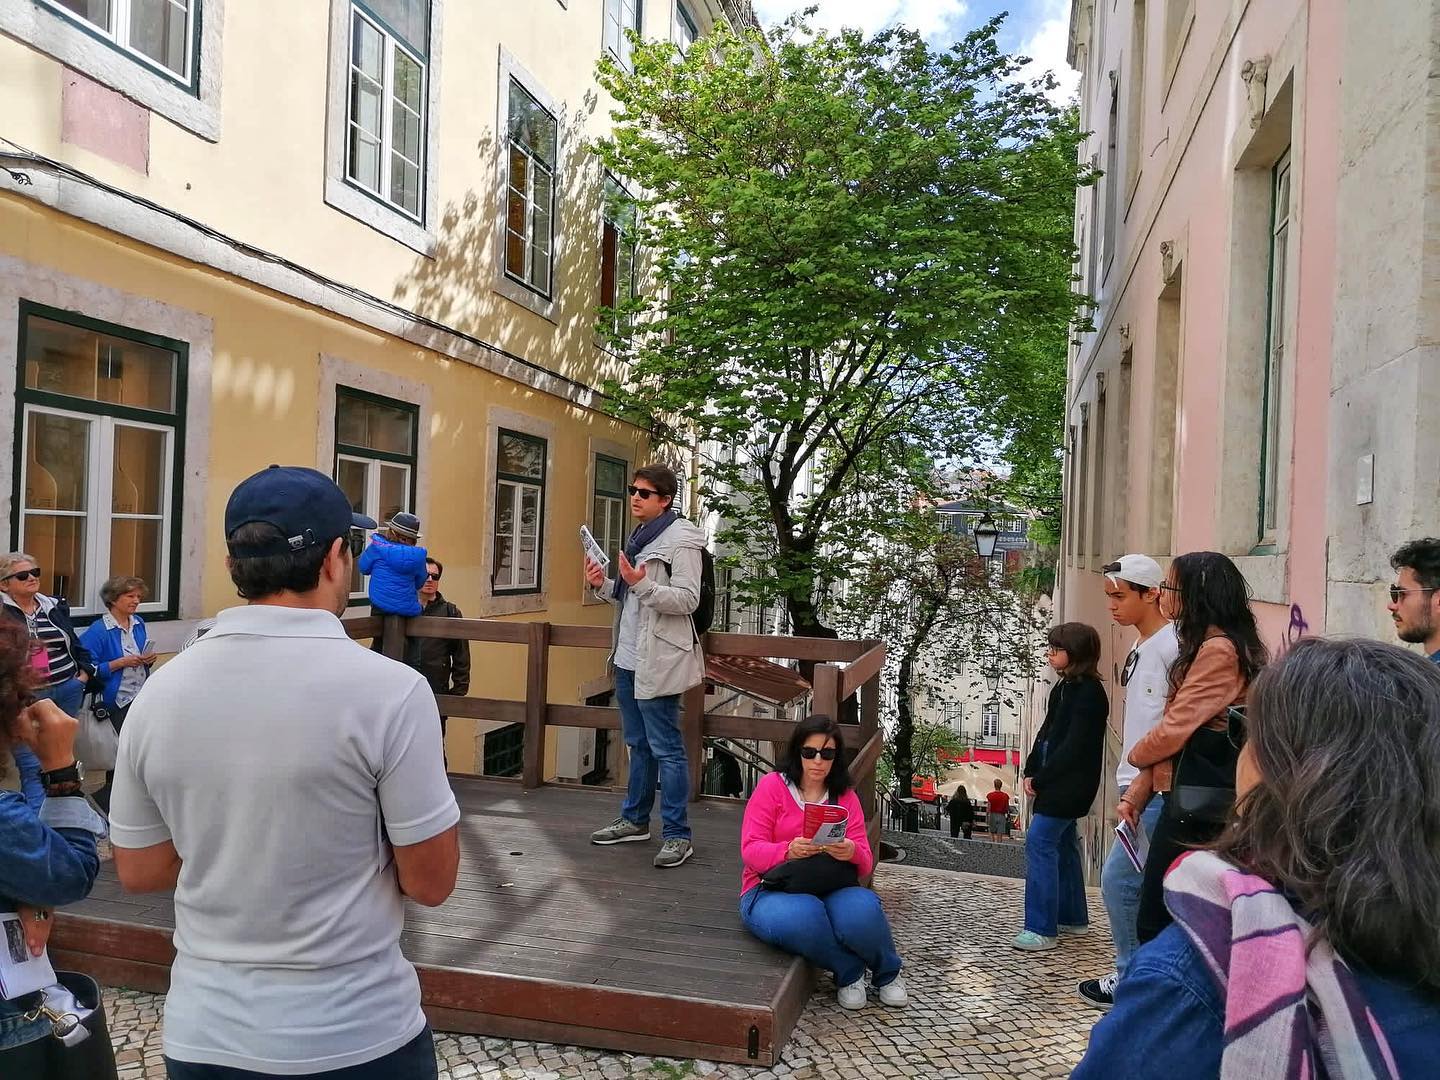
x: 639, y: 540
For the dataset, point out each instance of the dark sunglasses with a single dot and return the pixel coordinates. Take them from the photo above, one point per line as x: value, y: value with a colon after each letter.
x: 809, y: 753
x: 641, y: 493
x: 23, y: 575
x: 1396, y: 592
x: 432, y: 577
x: 1235, y: 729
x: 357, y: 542
x: 1129, y: 668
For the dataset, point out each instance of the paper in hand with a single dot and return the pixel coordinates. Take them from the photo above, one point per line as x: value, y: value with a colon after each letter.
x: 1135, y: 843
x: 593, y: 551
x: 21, y: 973
x: 825, y: 823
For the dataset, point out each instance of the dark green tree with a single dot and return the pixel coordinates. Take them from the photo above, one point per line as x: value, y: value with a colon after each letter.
x: 856, y: 245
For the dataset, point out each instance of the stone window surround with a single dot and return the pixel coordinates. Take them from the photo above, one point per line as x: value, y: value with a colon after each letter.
x: 195, y: 108
x: 492, y: 605
x: 420, y: 236
x: 21, y: 280
x: 506, y: 286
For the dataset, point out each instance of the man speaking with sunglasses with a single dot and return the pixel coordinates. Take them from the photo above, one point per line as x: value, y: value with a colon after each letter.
x: 1132, y: 588
x: 1415, y: 596
x: 656, y: 658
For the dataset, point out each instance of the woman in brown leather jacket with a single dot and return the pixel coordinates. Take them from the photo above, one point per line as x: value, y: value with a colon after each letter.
x: 1220, y: 653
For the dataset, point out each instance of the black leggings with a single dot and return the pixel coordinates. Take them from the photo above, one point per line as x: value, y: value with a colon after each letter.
x: 1173, y: 836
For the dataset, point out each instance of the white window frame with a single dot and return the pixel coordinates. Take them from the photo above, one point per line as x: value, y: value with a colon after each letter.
x: 533, y: 163
x: 390, y: 45
x: 683, y: 24
x: 372, y: 467
x: 513, y: 488
x: 118, y: 34
x: 615, y: 25
x: 616, y: 507
x: 98, y: 515
x: 1272, y: 407
x: 990, y: 722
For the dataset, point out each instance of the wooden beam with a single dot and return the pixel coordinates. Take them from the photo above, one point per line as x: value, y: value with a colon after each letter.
x: 537, y: 691
x: 748, y: 727
x: 368, y: 627
x: 469, y: 629
x: 583, y: 716
x: 692, y: 728
x: 474, y: 708
x: 825, y: 698
x: 861, y: 670
x: 869, y: 727
x: 788, y: 648
x: 863, y: 763
x: 393, y: 638
x: 580, y: 637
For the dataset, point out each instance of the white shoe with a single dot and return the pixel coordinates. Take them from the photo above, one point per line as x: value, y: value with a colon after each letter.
x: 893, y: 993
x: 852, y: 995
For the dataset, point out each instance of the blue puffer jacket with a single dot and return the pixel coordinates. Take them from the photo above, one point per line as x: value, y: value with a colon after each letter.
x: 397, y: 571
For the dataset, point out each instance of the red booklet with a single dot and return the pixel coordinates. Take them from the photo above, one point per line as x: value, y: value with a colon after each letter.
x: 825, y: 823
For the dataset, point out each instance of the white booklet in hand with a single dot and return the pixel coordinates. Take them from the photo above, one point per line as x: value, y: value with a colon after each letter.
x: 593, y: 550
x: 21, y: 973
x: 1135, y: 843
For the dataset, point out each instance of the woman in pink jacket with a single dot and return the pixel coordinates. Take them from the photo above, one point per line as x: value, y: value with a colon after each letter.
x: 845, y: 931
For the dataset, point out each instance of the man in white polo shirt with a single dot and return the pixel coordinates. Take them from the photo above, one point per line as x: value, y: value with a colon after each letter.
x: 1132, y: 586
x: 289, y: 785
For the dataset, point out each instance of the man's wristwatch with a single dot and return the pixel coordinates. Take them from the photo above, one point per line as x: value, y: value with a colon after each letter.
x: 65, y: 781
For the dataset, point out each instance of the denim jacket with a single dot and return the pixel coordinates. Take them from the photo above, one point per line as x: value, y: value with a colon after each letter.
x: 1169, y: 1009
x: 47, y: 857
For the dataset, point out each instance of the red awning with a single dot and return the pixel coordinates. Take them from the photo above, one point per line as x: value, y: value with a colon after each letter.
x: 990, y: 757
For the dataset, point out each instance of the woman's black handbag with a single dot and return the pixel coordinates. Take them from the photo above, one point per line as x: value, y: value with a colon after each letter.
x: 1204, y: 786
x: 51, y: 1059
x: 818, y: 875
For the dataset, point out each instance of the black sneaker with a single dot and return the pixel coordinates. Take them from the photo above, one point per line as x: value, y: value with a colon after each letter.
x: 1099, y: 992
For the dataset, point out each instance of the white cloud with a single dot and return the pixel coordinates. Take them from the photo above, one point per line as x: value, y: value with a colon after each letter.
x: 929, y: 18
x: 1046, y: 47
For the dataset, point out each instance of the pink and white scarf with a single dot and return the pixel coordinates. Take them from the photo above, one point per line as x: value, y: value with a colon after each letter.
x: 1293, y: 1009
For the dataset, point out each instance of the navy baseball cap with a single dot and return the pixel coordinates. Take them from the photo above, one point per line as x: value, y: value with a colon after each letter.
x: 306, y: 506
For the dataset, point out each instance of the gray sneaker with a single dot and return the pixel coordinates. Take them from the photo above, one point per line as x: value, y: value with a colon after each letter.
x: 619, y: 831
x: 673, y: 853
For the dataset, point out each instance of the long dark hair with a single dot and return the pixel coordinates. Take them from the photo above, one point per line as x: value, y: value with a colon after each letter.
x: 838, y: 781
x: 17, y: 680
x: 1213, y: 595
x: 1081, y: 643
x: 1346, y: 817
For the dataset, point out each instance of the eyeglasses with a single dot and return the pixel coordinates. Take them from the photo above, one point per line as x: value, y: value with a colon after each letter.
x: 1172, y: 588
x: 23, y: 575
x: 1396, y: 592
x: 810, y: 753
x: 641, y: 493
x: 1235, y: 729
x: 1052, y: 649
x: 1129, y: 668
x: 432, y: 577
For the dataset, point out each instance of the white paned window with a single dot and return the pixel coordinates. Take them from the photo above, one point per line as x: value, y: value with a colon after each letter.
x: 519, y: 508
x: 100, y: 424
x: 385, y: 121
x: 375, y: 453
x: 619, y: 248
x: 610, y: 511
x: 620, y: 16
x: 684, y: 31
x: 160, y: 33
x: 1273, y: 412
x: 990, y: 722
x: 530, y: 195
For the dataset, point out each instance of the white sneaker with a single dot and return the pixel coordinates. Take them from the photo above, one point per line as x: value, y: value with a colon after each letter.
x: 893, y: 993
x: 852, y: 995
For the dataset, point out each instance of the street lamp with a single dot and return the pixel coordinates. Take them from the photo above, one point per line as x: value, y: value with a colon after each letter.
x: 992, y: 678
x: 986, y: 535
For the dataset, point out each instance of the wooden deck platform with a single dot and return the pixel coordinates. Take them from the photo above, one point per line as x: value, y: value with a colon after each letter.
x: 546, y: 937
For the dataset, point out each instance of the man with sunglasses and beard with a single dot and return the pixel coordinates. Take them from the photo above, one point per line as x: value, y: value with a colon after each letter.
x: 1415, y: 596
x: 445, y: 662
x: 656, y: 658
x: 1132, y: 587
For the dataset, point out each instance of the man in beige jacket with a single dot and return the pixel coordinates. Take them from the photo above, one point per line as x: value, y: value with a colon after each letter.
x: 656, y: 658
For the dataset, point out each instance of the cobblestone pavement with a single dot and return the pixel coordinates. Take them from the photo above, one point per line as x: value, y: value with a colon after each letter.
x: 977, y: 1007
x: 930, y: 848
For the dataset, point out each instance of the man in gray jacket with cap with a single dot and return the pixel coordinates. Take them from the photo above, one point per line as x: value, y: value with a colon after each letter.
x: 656, y: 658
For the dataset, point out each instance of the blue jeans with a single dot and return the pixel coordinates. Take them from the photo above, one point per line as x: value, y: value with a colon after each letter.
x: 1120, y: 886
x: 844, y: 933
x: 413, y: 1061
x: 67, y: 696
x: 1054, y: 879
x: 651, y: 727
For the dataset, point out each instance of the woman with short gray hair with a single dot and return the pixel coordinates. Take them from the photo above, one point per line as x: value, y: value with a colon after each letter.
x: 60, y: 662
x: 120, y: 645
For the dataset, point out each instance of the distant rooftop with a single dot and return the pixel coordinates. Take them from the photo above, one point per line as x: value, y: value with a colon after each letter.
x: 741, y: 13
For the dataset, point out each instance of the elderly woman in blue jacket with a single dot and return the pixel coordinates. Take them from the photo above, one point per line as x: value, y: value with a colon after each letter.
x: 119, y: 646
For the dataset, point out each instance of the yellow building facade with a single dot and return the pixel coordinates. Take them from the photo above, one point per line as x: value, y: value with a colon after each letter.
x: 363, y: 235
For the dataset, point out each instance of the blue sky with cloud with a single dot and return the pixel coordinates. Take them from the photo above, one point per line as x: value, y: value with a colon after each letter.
x: 1036, y: 28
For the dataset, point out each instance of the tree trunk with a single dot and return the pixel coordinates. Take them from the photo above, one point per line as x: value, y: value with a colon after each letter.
x: 904, y: 731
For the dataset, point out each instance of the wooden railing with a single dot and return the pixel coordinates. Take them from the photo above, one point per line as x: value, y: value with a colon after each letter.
x: 842, y: 670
